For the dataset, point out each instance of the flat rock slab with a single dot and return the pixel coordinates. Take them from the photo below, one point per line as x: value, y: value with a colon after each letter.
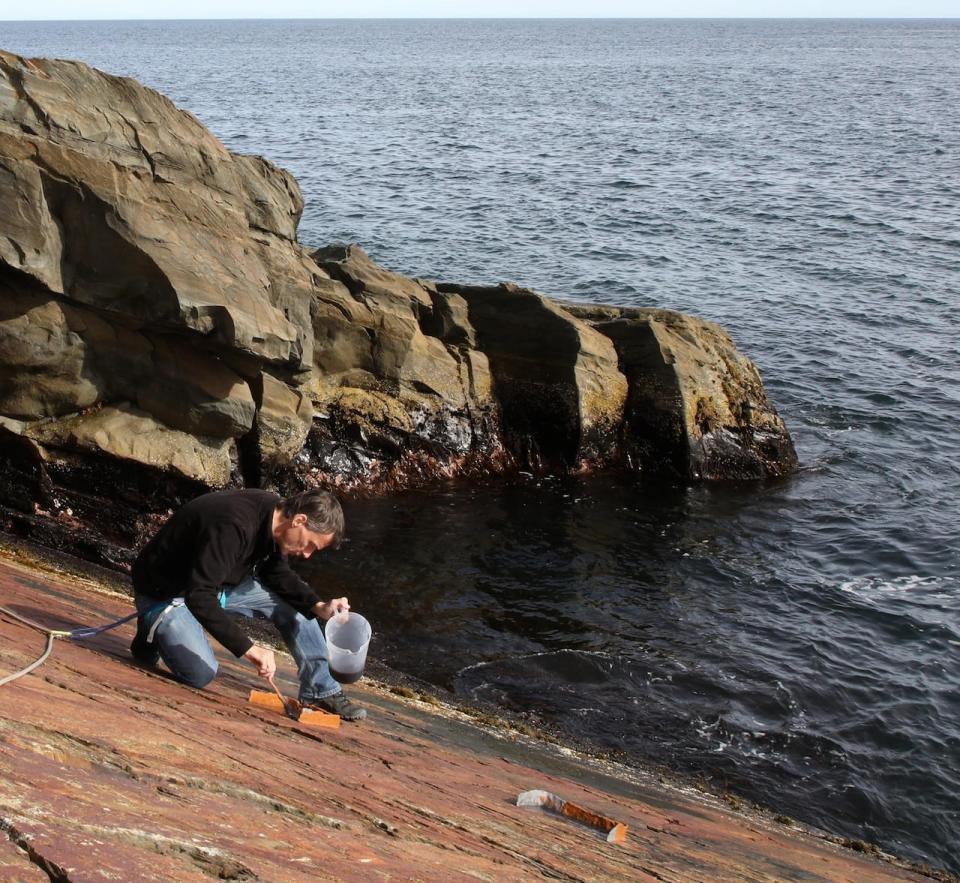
x: 109, y: 771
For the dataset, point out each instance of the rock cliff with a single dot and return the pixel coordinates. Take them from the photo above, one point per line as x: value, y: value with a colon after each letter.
x: 163, y: 332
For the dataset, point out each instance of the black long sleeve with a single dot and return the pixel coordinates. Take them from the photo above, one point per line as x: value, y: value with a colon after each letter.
x: 213, y: 543
x: 275, y: 573
x: 216, y: 551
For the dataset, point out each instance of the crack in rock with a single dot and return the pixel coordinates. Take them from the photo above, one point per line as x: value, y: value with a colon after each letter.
x: 61, y: 747
x: 268, y: 803
x: 213, y: 862
x: 55, y: 872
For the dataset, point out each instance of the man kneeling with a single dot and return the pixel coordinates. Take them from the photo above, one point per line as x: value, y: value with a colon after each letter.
x: 228, y: 551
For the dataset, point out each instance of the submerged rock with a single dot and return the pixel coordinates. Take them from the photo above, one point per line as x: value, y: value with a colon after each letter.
x: 161, y: 326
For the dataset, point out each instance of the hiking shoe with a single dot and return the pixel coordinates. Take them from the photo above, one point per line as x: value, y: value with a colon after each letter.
x: 140, y: 649
x: 338, y: 704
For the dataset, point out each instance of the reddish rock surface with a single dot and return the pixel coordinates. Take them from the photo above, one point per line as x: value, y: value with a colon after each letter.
x: 112, y: 772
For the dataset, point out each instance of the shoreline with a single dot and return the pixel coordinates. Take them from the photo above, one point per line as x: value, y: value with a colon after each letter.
x: 622, y: 776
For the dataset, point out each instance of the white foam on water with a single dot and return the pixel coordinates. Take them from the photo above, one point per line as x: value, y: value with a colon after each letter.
x: 600, y: 654
x: 867, y: 587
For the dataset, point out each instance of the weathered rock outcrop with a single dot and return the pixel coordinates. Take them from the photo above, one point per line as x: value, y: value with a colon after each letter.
x: 697, y: 407
x: 399, y: 384
x: 455, y: 372
x: 162, y: 329
x: 561, y: 391
x: 155, y: 308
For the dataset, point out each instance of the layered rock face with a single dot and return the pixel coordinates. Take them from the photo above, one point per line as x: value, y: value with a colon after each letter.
x: 153, y: 300
x: 456, y: 378
x: 162, y: 332
x: 697, y: 407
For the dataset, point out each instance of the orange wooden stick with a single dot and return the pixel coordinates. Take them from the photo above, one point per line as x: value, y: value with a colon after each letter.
x: 616, y: 831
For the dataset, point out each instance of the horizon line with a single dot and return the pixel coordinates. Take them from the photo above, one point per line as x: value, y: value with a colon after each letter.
x: 504, y: 18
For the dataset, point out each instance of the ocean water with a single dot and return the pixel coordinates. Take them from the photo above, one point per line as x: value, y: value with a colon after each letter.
x: 796, y: 181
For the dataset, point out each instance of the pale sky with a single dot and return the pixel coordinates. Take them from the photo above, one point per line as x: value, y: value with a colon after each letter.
x: 33, y: 10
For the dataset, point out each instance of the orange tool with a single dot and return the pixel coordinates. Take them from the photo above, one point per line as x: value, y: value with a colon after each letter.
x: 616, y: 831
x: 308, y: 716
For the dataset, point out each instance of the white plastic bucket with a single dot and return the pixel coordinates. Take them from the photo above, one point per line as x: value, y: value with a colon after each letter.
x: 348, y: 636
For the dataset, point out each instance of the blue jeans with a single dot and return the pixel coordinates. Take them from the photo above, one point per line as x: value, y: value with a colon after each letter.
x: 185, y: 649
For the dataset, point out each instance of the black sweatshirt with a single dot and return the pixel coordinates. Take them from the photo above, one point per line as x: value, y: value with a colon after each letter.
x: 215, y: 542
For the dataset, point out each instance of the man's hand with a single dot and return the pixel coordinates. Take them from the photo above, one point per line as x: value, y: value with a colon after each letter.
x: 329, y: 609
x: 262, y: 658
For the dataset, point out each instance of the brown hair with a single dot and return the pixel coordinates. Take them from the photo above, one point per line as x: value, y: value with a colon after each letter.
x: 322, y: 509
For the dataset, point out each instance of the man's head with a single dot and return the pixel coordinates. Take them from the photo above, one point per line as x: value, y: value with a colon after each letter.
x: 308, y: 522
